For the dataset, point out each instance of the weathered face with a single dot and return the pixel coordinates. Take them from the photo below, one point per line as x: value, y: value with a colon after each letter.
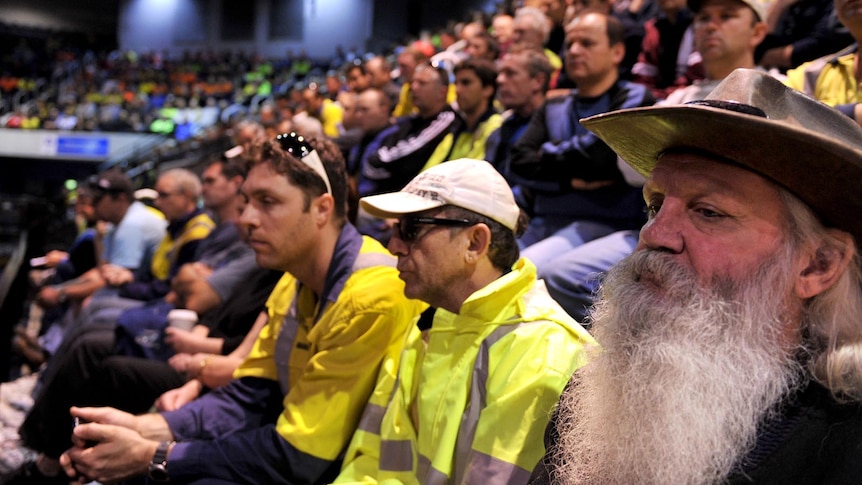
x: 430, y: 262
x: 719, y: 220
x: 515, y: 87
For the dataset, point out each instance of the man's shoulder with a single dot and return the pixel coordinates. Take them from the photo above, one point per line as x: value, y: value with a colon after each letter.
x: 142, y: 216
x: 282, y: 294
x: 628, y: 94
x: 812, y: 73
x: 198, y: 226
x: 542, y: 327
x: 821, y: 443
x: 536, y: 312
x: 540, y: 306
x: 374, y: 276
x: 565, y: 99
x: 374, y: 289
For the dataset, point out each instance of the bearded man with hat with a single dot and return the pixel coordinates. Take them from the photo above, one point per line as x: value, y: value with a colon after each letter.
x: 731, y: 337
x: 486, y: 362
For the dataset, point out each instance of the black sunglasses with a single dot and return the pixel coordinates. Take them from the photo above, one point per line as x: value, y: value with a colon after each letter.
x: 407, y: 228
x: 298, y: 146
x: 295, y: 144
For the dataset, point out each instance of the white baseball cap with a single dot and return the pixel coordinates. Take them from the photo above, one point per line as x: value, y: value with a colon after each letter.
x: 471, y: 184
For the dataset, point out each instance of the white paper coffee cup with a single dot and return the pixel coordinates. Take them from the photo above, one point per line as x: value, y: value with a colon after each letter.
x: 184, y: 319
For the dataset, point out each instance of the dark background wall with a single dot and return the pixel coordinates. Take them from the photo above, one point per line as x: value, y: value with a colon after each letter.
x: 178, y: 25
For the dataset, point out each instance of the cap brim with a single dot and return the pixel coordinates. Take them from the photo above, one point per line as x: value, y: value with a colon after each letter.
x: 821, y: 171
x: 396, y: 204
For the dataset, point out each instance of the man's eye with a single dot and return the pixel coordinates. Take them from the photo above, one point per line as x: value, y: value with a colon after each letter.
x: 709, y: 213
x: 651, y: 210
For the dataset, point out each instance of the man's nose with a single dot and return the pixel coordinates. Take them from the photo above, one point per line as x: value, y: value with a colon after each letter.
x: 664, y: 230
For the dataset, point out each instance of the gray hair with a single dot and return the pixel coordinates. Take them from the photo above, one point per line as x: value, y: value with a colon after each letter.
x: 832, y: 318
x: 187, y: 182
x: 537, y: 19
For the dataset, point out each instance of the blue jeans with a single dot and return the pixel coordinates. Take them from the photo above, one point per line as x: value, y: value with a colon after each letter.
x: 563, y: 239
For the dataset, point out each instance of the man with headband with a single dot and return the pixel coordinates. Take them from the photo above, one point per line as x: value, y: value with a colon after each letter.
x: 731, y: 336
x: 333, y: 318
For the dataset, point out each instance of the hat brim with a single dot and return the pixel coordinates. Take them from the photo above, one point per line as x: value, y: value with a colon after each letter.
x: 822, y: 172
x: 395, y: 204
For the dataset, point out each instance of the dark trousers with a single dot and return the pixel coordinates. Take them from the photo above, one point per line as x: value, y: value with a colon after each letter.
x: 88, y: 373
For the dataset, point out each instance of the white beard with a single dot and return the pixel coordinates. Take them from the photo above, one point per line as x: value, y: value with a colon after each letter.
x: 683, y: 378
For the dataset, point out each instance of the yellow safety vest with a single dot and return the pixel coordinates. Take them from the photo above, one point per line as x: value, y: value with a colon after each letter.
x: 471, y: 399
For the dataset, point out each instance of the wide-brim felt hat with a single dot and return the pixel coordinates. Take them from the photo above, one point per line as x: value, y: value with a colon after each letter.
x: 754, y: 121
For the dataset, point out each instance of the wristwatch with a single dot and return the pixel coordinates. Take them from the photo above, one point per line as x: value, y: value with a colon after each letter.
x: 158, y: 469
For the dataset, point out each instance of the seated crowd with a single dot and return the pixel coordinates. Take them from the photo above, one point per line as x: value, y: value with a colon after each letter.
x: 437, y: 268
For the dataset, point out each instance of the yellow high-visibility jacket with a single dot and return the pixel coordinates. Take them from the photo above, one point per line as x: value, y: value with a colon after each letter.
x: 474, y: 393
x: 336, y: 351
x: 310, y: 372
x: 830, y: 79
x: 195, y: 229
x: 466, y: 144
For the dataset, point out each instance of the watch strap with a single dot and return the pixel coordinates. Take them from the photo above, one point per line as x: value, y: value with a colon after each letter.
x: 158, y: 469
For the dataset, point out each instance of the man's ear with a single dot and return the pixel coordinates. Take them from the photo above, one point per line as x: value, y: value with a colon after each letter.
x: 323, y: 209
x: 488, y: 91
x: 237, y: 180
x: 825, y: 264
x: 760, y: 31
x: 480, y: 240
x: 618, y: 52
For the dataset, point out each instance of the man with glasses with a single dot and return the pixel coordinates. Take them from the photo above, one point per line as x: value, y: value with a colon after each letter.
x: 178, y: 193
x: 338, y: 311
x: 483, y: 366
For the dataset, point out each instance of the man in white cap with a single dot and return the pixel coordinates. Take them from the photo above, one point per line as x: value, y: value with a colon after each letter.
x: 731, y: 336
x: 484, y: 365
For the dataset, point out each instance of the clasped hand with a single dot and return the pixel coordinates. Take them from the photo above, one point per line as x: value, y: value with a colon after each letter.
x: 119, y: 452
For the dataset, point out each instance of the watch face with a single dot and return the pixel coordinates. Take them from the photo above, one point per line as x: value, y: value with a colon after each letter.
x: 158, y: 472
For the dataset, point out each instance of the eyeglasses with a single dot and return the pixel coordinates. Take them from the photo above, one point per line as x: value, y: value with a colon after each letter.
x: 407, y: 228
x: 165, y: 195
x: 296, y: 145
